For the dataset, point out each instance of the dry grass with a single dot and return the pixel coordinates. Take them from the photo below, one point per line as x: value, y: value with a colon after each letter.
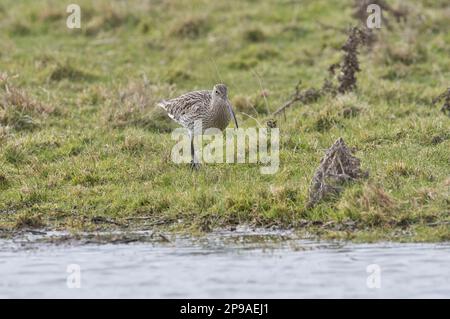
x: 375, y: 207
x: 406, y: 53
x: 400, y: 168
x: 135, y: 105
x: 107, y: 17
x: 28, y: 221
x: 253, y: 104
x: 337, y: 167
x: 350, y: 63
x: 17, y: 108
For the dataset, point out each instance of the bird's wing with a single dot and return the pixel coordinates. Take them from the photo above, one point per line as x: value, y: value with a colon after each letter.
x: 188, y: 107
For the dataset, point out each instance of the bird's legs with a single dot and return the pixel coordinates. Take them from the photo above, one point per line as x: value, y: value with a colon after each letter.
x: 195, y: 165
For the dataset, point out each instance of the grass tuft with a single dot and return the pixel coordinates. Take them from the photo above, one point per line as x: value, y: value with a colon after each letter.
x: 254, y: 35
x: 28, y: 221
x: 17, y: 109
x: 135, y: 105
x: 190, y: 28
x: 66, y: 71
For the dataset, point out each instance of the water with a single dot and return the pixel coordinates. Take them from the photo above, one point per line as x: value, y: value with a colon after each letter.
x: 226, y: 265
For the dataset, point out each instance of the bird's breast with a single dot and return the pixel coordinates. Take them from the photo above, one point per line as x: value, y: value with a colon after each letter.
x: 217, y: 117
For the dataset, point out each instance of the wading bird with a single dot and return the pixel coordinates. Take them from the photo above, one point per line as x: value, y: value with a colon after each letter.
x: 211, y: 109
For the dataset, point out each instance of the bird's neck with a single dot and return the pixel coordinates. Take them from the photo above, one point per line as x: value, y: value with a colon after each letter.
x: 219, y: 114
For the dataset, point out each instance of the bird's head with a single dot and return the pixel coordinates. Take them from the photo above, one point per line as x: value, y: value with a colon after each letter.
x: 220, y: 93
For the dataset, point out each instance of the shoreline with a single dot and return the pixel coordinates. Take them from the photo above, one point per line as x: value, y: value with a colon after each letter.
x: 435, y: 233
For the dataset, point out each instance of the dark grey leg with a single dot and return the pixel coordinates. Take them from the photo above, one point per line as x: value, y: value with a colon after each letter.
x: 194, y: 163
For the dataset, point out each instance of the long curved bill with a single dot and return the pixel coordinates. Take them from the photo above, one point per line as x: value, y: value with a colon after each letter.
x: 233, y: 115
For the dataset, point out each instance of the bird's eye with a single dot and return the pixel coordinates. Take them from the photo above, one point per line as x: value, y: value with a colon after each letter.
x: 217, y: 92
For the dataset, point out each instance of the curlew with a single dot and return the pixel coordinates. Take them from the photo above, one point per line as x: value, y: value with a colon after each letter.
x: 211, y: 109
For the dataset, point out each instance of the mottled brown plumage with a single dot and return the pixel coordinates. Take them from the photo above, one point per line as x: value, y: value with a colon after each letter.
x: 210, y: 109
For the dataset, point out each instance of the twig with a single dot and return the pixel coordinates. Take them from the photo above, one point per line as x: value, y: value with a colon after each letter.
x: 438, y: 223
x: 287, y: 104
x: 155, y: 223
x: 306, y: 96
x: 139, y: 217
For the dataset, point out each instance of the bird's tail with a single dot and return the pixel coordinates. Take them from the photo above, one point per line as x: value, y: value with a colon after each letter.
x: 163, y: 104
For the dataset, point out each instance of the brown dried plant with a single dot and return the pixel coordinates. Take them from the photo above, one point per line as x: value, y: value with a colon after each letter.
x: 336, y: 167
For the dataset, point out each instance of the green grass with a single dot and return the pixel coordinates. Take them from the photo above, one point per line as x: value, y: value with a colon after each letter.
x: 90, y: 142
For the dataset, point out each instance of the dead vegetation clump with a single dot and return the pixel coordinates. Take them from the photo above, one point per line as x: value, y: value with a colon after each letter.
x: 446, y: 98
x: 17, y: 109
x: 135, y: 105
x: 350, y: 64
x: 337, y: 167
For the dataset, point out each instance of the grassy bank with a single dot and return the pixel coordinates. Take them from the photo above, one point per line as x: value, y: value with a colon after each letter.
x: 82, y: 146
